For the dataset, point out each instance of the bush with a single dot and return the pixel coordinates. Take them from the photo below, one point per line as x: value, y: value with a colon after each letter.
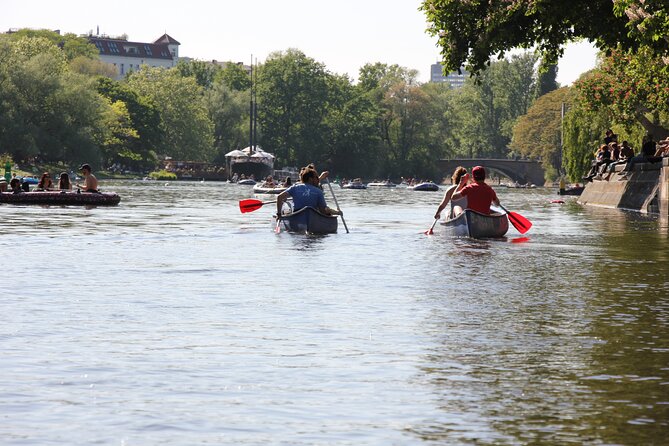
x: 163, y: 175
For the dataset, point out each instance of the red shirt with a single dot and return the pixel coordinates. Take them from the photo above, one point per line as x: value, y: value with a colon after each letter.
x: 479, y: 197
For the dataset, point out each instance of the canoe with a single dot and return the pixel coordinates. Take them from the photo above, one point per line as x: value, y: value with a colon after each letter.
x: 260, y: 189
x: 62, y: 198
x: 476, y: 225
x: 427, y: 186
x: 309, y: 220
x: 246, y: 182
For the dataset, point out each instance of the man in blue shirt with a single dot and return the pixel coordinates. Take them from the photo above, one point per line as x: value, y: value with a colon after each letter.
x: 305, y: 194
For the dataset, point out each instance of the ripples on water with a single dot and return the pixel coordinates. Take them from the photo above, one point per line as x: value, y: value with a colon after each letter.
x: 175, y: 319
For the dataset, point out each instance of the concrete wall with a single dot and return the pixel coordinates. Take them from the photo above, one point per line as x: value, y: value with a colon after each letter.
x: 663, y: 192
x: 640, y: 192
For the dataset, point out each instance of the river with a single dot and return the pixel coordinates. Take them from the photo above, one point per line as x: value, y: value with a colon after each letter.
x: 174, y: 319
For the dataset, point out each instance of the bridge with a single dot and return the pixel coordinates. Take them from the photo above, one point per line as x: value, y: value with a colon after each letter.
x: 519, y: 171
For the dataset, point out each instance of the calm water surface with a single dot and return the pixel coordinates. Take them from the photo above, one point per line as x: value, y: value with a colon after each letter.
x: 173, y: 319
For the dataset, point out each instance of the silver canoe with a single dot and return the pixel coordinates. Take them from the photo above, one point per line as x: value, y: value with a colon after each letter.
x: 309, y: 220
x: 474, y: 224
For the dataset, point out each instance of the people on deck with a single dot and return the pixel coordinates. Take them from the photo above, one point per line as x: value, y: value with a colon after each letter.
x: 44, y: 183
x: 305, y: 194
x: 479, y: 195
x: 460, y: 205
x: 647, y: 155
x: 626, y: 153
x: 90, y: 182
x: 64, y: 182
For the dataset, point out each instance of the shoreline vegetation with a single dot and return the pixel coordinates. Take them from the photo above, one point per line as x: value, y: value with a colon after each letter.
x: 385, y: 124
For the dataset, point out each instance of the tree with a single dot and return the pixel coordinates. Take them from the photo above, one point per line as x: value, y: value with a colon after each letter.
x: 185, y: 124
x: 547, y: 79
x: 474, y: 30
x: 228, y: 109
x: 629, y: 88
x: 235, y: 77
x: 143, y: 118
x: 537, y: 134
x: 292, y: 93
x: 72, y: 46
x: 204, y: 73
x: 488, y: 107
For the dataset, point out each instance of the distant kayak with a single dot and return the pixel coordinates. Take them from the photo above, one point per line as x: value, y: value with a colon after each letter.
x: 260, y: 189
x: 427, y: 186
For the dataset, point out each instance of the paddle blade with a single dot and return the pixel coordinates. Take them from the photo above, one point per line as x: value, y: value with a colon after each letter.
x: 249, y: 205
x: 519, y: 222
x: 431, y: 230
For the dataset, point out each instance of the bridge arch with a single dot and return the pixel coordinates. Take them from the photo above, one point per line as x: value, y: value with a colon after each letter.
x: 519, y: 171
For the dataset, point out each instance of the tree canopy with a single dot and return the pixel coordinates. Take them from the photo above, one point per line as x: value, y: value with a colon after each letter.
x: 472, y: 31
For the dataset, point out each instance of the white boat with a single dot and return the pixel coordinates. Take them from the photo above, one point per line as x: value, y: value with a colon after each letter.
x: 386, y: 183
x: 354, y: 185
x: 260, y: 188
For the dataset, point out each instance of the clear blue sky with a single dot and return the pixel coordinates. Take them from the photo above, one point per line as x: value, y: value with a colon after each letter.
x: 343, y: 34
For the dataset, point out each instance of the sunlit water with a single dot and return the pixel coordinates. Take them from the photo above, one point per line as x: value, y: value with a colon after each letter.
x: 175, y: 319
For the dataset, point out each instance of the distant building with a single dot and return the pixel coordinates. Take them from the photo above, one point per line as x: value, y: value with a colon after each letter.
x: 453, y: 78
x: 129, y: 56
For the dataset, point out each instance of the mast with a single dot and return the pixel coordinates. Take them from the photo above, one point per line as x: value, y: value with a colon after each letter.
x: 251, y: 113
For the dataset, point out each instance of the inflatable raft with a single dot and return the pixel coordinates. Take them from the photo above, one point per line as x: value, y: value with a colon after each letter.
x: 62, y: 198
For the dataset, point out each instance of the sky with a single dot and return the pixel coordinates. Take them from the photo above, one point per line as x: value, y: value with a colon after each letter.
x: 344, y: 35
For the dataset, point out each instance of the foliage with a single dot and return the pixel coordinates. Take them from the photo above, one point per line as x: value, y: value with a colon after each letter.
x: 474, y: 30
x: 138, y: 153
x: 185, y: 124
x: 547, y: 79
x: 93, y: 67
x: 537, y: 134
x: 228, y: 109
x: 163, y: 175
x: 490, y: 106
x: 235, y: 77
x: 292, y: 95
x: 71, y: 45
x: 629, y: 88
x: 204, y: 73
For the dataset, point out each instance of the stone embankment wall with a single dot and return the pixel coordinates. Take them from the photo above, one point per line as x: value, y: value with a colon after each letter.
x: 645, y: 190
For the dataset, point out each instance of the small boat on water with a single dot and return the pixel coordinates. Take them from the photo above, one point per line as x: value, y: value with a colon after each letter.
x: 62, y: 198
x: 246, y: 182
x: 309, y: 220
x: 476, y: 225
x: 427, y: 186
x: 354, y: 185
x: 575, y: 190
x: 262, y: 189
x: 386, y: 183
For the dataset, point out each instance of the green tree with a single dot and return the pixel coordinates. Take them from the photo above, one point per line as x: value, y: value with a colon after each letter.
x: 547, y: 79
x: 538, y: 134
x: 144, y: 118
x: 292, y: 94
x: 72, y: 46
x: 204, y: 73
x: 185, y: 124
x: 474, y: 30
x: 228, y: 109
x: 235, y: 77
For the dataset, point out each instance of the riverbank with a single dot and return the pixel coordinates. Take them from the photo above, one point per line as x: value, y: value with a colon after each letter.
x: 645, y: 189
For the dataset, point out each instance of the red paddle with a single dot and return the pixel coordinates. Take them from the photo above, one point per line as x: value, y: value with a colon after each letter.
x: 519, y: 222
x: 251, y: 205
